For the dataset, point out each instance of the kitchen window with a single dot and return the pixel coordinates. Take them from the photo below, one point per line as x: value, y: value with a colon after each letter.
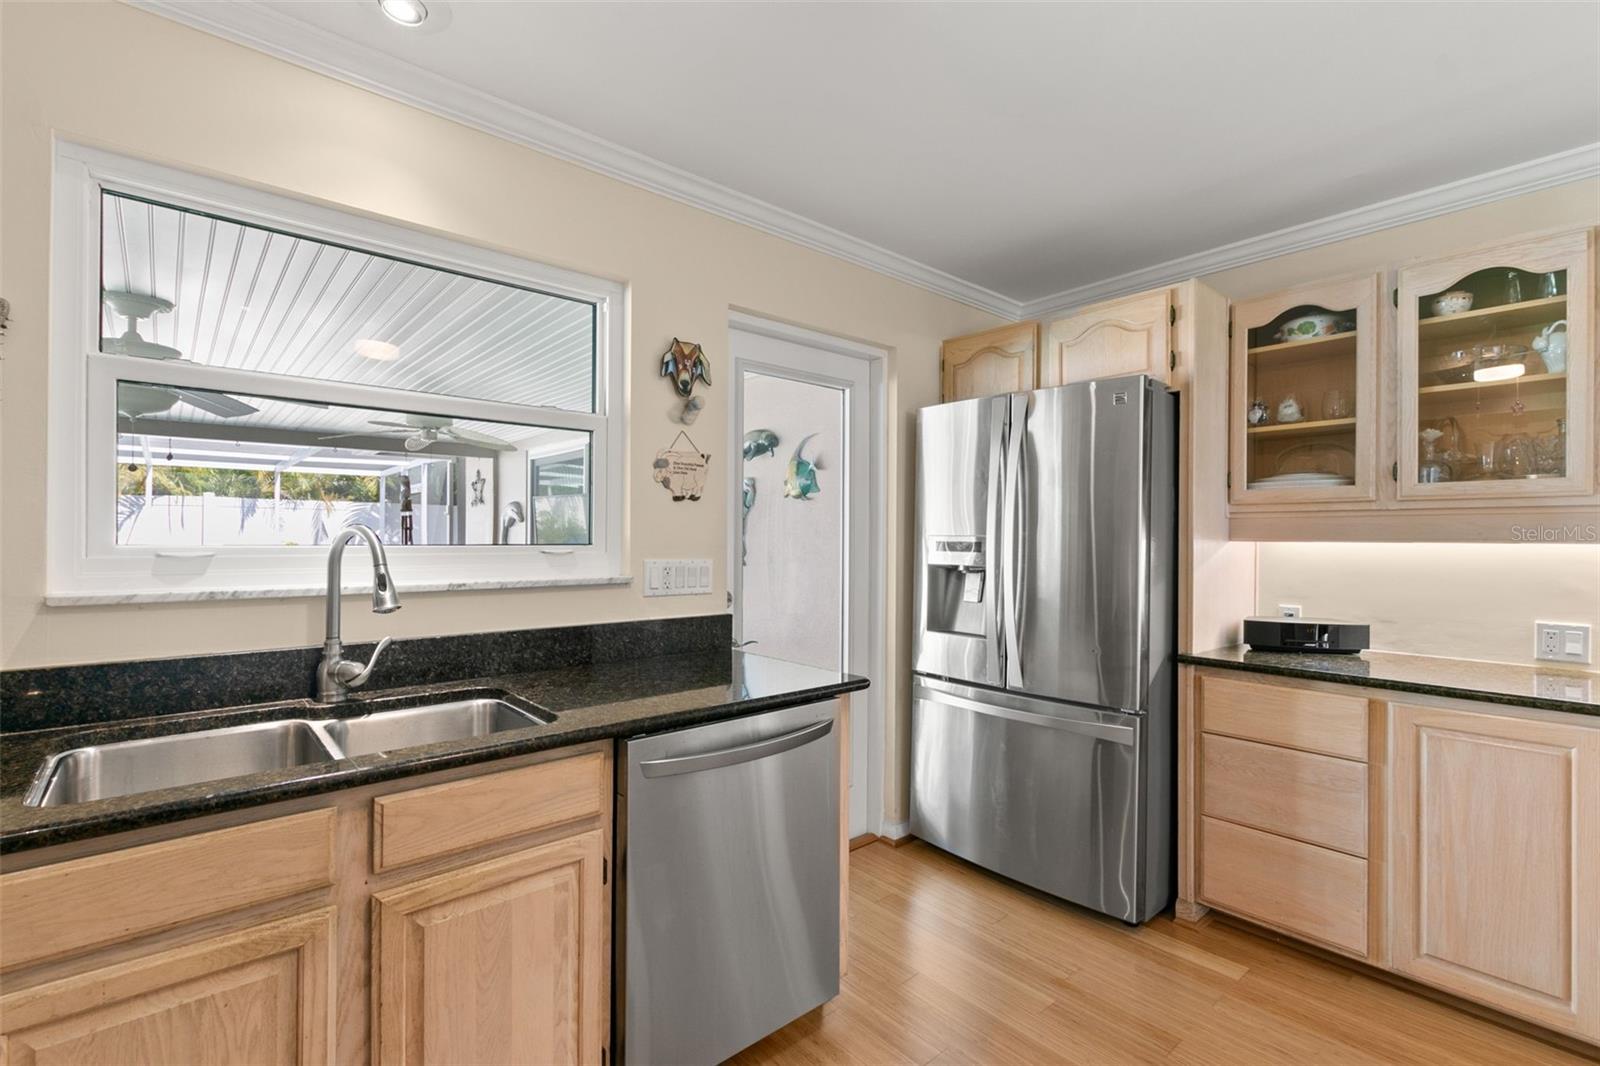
x: 235, y: 376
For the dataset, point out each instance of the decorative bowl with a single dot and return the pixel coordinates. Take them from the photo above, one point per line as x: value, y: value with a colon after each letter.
x: 1449, y: 368
x: 1452, y: 303
x: 1310, y: 327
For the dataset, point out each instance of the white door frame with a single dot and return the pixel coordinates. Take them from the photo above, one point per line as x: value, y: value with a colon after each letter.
x: 866, y: 708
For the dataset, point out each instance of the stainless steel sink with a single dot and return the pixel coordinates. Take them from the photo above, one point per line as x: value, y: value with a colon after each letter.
x: 131, y: 766
x: 412, y: 726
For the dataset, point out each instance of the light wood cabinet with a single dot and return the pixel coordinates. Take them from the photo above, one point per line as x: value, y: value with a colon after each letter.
x: 462, y: 916
x: 1303, y: 407
x: 263, y: 994
x: 995, y: 361
x: 1496, y: 829
x: 1483, y: 415
x: 503, y: 961
x: 1455, y: 843
x: 1128, y: 335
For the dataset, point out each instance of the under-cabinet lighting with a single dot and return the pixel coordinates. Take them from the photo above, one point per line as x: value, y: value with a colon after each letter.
x: 1499, y: 372
x: 405, y: 12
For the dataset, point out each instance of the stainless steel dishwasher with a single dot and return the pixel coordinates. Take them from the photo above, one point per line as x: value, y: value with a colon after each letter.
x: 727, y: 884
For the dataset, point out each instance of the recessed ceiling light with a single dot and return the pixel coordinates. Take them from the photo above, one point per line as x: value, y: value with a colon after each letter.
x: 405, y: 12
x: 382, y: 351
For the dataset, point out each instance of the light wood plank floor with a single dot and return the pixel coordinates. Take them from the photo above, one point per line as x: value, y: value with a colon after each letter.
x: 951, y: 965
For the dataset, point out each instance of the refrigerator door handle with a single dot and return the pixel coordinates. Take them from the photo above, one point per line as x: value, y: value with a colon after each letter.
x: 1117, y: 734
x: 1011, y: 563
x: 993, y: 620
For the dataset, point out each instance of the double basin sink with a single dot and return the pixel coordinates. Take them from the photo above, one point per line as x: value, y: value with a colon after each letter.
x: 129, y: 767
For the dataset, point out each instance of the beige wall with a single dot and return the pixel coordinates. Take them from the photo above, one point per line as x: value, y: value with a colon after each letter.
x: 1476, y: 601
x: 1466, y: 601
x: 111, y: 76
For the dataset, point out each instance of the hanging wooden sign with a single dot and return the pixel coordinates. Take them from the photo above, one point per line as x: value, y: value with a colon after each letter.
x: 682, y: 471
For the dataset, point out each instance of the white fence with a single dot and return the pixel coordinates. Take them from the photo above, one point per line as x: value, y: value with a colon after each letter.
x: 194, y: 521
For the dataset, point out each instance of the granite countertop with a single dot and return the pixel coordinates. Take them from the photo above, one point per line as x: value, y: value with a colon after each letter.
x: 1552, y: 688
x: 590, y: 701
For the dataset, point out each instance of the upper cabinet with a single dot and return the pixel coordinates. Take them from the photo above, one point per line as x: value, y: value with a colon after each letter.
x: 1304, y: 395
x: 1131, y: 335
x: 1495, y: 364
x: 995, y: 361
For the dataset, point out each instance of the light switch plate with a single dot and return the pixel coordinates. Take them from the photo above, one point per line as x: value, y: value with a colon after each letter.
x: 677, y: 577
x: 1288, y: 610
x: 1562, y: 642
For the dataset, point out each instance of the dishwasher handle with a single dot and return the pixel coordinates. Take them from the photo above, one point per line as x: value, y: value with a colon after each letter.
x: 688, y: 764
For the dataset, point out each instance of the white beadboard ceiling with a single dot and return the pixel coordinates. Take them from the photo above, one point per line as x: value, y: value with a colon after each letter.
x: 249, y: 298
x: 1020, y: 157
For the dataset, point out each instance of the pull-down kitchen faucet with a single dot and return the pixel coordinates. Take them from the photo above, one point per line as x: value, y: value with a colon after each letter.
x: 336, y: 675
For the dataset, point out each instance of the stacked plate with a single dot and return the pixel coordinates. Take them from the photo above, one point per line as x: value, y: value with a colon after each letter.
x: 1301, y: 481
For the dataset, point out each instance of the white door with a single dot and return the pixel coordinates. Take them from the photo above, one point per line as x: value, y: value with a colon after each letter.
x: 803, y: 582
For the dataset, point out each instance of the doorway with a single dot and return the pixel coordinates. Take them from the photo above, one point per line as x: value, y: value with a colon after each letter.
x: 807, y: 519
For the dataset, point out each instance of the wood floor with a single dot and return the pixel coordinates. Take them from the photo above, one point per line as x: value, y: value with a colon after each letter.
x: 951, y: 965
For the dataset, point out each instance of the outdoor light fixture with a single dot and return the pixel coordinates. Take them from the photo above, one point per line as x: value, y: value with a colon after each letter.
x: 382, y: 351
x: 405, y: 12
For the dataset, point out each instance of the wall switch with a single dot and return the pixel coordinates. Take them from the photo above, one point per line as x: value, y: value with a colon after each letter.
x: 1561, y: 642
x: 1288, y: 610
x: 677, y: 577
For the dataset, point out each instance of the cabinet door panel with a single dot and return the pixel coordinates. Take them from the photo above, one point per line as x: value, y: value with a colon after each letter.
x: 1497, y: 829
x: 992, y: 362
x: 254, y: 997
x: 1128, y: 336
x: 503, y: 961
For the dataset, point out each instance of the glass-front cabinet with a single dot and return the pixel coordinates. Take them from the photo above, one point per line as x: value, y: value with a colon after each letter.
x: 1495, y: 362
x: 1303, y: 387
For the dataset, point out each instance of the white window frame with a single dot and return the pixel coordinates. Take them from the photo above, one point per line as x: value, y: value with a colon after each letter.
x: 84, y: 563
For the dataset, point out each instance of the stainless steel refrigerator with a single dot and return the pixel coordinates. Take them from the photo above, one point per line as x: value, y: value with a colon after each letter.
x: 1043, y: 701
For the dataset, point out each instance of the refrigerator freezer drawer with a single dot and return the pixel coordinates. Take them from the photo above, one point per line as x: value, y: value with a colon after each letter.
x: 1045, y: 793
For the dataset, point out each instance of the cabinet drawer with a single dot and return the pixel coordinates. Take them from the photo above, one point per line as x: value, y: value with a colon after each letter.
x: 67, y: 907
x: 1298, y: 888
x: 1308, y: 719
x: 1315, y: 798
x: 424, y: 823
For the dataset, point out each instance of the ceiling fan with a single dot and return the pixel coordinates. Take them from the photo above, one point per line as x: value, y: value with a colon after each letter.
x: 420, y: 431
x: 136, y: 401
x: 135, y: 306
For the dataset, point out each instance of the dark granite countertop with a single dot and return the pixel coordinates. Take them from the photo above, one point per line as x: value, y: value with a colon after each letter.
x: 589, y: 701
x: 1552, y: 688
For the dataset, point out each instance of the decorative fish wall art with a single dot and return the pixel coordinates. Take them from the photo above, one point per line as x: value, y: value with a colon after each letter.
x: 801, y: 481
x: 759, y: 442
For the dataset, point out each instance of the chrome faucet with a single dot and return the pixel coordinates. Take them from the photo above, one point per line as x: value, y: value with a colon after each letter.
x: 336, y: 675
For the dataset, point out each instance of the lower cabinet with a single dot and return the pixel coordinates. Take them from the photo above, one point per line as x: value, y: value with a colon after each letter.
x: 502, y: 961
x: 461, y: 917
x: 1496, y: 829
x: 1455, y: 843
x: 263, y: 994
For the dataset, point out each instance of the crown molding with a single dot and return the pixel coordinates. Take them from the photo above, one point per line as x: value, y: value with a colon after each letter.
x: 258, y: 26
x: 1573, y: 165
x: 264, y: 29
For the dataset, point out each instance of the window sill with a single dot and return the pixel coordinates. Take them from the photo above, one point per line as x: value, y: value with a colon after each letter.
x: 111, y: 598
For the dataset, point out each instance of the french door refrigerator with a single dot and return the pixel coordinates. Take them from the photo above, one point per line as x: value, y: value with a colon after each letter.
x: 1043, y: 701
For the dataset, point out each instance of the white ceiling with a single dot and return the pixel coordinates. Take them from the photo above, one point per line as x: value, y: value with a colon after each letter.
x: 1023, y: 149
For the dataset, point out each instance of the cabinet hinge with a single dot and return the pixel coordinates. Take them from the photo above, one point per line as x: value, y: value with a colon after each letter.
x: 1172, y: 360
x: 605, y: 1056
x: 1230, y: 479
x: 1230, y: 326
x: 1172, y: 316
x: 605, y: 871
x: 1394, y: 472
x: 1394, y: 294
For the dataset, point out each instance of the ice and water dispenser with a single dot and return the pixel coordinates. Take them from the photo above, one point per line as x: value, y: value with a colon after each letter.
x: 956, y: 585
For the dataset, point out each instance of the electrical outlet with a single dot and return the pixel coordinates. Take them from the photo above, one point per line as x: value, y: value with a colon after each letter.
x: 1561, y: 642
x: 677, y: 577
x: 1572, y: 687
x: 1288, y: 610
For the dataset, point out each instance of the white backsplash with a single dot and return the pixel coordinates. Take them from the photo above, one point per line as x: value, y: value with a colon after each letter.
x: 1468, y: 601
